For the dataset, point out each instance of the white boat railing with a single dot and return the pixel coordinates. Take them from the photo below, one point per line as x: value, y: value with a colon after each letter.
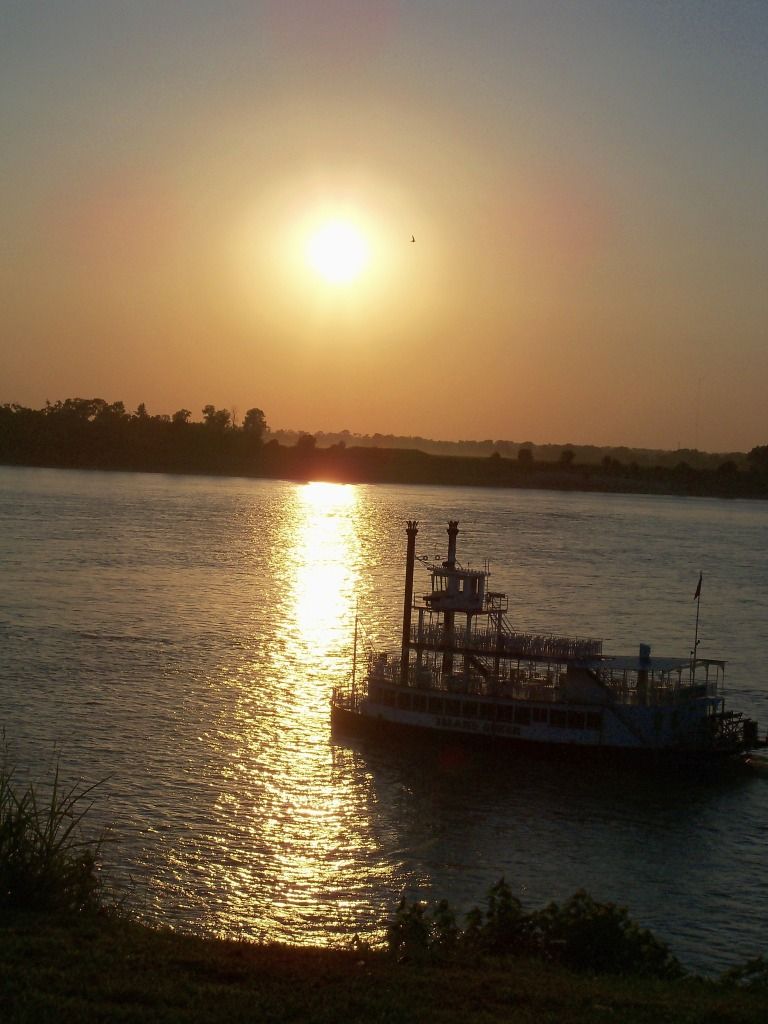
x: 508, y: 643
x: 542, y: 681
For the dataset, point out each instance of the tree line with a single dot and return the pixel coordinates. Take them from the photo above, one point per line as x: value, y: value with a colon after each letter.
x: 90, y: 433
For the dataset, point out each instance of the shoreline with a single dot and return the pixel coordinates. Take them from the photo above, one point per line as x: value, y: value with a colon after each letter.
x: 387, y: 467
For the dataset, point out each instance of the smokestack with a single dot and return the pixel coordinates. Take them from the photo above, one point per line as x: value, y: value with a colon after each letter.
x: 453, y: 529
x: 412, y: 528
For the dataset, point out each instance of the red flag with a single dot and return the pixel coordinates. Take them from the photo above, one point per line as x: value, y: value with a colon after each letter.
x: 697, y: 595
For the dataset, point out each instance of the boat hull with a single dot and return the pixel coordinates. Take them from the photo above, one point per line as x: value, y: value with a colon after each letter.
x: 346, y: 722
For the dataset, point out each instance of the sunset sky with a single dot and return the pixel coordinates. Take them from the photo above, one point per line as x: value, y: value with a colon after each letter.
x: 214, y: 202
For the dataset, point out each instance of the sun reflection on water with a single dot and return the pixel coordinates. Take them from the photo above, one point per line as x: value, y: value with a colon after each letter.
x: 327, y: 554
x: 293, y: 834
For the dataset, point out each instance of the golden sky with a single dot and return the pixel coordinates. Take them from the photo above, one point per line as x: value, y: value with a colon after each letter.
x: 586, y: 182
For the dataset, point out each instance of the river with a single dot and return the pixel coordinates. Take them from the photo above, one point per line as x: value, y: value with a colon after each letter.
x: 176, y: 639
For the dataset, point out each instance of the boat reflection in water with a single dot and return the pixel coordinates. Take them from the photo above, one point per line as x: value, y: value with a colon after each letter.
x: 464, y: 670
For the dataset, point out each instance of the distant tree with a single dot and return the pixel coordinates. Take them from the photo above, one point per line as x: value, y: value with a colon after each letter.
x: 758, y: 458
x: 567, y: 455
x: 141, y: 412
x: 216, y: 419
x: 525, y: 457
x: 306, y: 442
x: 76, y: 408
x: 181, y: 416
x: 255, y: 423
x: 109, y: 413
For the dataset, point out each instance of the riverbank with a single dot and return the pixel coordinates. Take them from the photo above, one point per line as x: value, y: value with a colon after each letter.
x: 101, y: 968
x: 91, y: 434
x: 390, y: 466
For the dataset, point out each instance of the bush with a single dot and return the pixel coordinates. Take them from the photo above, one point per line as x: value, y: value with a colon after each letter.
x: 582, y: 934
x: 585, y: 935
x: 752, y: 975
x: 419, y: 933
x: 45, y: 863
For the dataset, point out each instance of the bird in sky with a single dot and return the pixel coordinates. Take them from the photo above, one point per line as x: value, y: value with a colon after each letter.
x: 413, y: 239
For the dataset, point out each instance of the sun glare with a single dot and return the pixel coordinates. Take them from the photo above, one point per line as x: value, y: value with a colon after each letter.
x: 337, y: 251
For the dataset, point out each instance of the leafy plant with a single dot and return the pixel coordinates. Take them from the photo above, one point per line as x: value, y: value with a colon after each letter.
x: 751, y: 975
x: 589, y: 936
x: 582, y: 934
x: 45, y: 863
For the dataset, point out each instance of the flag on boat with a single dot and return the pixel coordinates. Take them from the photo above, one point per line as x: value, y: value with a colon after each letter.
x: 697, y: 595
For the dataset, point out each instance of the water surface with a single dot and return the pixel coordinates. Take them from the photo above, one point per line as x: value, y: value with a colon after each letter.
x: 179, y: 636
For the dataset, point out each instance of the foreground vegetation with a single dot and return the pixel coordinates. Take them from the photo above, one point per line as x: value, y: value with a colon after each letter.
x: 94, y: 434
x: 67, y: 953
x: 88, y: 969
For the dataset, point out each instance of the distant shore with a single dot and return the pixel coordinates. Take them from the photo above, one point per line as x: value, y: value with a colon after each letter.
x: 399, y: 466
x: 92, y: 434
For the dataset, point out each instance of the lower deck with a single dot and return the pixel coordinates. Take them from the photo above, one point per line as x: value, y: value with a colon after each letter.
x: 698, y: 724
x: 515, y: 741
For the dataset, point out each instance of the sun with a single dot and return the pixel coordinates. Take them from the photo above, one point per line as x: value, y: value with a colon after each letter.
x: 337, y: 251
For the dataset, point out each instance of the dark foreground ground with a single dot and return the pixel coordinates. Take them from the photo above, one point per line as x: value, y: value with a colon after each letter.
x: 103, y: 969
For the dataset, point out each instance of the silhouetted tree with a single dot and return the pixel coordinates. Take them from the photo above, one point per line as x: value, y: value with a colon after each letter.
x: 255, y: 423
x: 181, y: 416
x: 306, y: 443
x: 216, y: 419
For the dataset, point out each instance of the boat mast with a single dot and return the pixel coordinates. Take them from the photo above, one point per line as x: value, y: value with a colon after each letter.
x: 354, y: 654
x: 695, y: 651
x: 412, y: 528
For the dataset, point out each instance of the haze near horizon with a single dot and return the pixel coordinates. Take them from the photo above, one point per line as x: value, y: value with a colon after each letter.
x: 212, y: 203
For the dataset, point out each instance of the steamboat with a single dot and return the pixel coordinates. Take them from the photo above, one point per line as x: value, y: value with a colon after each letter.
x: 465, y: 672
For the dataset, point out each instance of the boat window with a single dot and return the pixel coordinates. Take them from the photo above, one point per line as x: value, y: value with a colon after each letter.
x: 435, y: 706
x: 540, y: 714
x: 388, y: 697
x: 576, y: 720
x: 419, y: 702
x: 504, y: 713
x: 593, y: 719
x: 558, y: 718
x: 404, y: 701
x: 469, y: 709
x: 523, y: 716
x: 488, y: 712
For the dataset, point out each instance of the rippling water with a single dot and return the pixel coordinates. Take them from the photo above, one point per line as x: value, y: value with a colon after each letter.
x: 179, y: 637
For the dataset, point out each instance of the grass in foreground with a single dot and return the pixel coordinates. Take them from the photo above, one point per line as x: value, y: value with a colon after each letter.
x: 92, y: 968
